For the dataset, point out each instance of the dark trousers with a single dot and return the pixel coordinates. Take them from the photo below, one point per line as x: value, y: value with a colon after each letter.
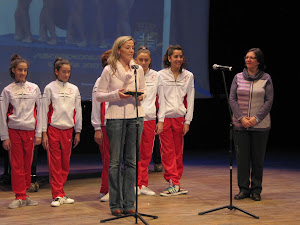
x: 250, y: 154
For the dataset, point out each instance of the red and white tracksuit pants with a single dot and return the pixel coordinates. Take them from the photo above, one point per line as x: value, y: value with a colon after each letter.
x: 171, y: 148
x: 59, y: 152
x: 146, y: 149
x: 21, y: 155
x: 104, y: 149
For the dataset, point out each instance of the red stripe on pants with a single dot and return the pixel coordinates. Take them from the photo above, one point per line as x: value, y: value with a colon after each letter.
x: 171, y: 148
x: 59, y: 152
x: 21, y: 155
x: 104, y: 149
x: 146, y: 149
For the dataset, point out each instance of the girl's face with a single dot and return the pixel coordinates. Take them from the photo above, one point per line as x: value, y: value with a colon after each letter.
x: 144, y: 60
x: 20, y: 72
x: 63, y: 74
x: 251, y: 61
x: 176, y: 59
x: 126, y: 51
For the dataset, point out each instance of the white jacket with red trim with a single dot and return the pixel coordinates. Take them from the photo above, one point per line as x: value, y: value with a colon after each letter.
x: 175, y: 92
x: 153, y: 87
x: 62, y: 106
x: 20, y: 108
x: 98, y: 113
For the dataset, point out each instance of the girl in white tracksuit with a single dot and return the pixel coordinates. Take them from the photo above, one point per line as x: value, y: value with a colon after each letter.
x: 179, y: 92
x: 20, y: 122
x: 99, y: 123
x: 154, y: 90
x: 61, y: 115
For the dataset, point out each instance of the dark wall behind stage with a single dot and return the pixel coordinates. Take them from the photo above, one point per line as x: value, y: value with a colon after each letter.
x: 235, y: 27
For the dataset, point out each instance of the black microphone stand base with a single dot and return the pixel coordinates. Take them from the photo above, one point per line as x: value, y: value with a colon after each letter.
x: 135, y: 215
x: 231, y: 207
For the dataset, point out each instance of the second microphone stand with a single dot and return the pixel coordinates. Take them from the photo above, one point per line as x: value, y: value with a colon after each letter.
x: 231, y: 143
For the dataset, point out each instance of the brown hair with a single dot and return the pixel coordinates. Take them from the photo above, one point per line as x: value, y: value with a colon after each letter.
x: 144, y: 49
x: 104, y: 58
x: 14, y: 62
x: 170, y: 50
x: 58, y: 64
x: 259, y: 57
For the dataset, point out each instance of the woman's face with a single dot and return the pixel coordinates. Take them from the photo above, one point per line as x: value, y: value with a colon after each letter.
x: 176, y: 59
x: 63, y: 74
x: 251, y: 61
x: 20, y: 72
x: 126, y: 51
x: 144, y: 60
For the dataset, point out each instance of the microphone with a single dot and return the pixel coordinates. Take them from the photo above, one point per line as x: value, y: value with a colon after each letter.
x: 134, y: 67
x: 220, y: 67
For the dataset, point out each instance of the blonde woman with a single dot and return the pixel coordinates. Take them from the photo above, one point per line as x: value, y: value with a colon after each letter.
x: 116, y: 79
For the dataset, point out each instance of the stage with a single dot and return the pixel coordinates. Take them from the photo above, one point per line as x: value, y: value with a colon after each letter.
x: 206, y: 177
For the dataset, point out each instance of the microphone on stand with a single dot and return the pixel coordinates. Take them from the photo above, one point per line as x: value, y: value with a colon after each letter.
x: 220, y: 67
x: 134, y: 67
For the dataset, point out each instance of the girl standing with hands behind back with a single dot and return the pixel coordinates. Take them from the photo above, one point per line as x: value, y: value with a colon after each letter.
x: 20, y: 122
x: 153, y: 88
x: 61, y: 115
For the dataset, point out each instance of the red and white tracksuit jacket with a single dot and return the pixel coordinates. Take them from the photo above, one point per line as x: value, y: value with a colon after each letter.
x: 61, y: 112
x: 20, y: 121
x: 153, y: 89
x: 176, y: 114
x: 98, y: 121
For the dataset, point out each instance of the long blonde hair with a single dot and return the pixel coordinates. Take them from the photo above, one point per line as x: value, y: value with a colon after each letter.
x: 115, y: 56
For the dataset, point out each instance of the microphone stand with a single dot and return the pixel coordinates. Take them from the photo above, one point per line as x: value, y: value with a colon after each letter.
x: 231, y: 142
x: 136, y: 214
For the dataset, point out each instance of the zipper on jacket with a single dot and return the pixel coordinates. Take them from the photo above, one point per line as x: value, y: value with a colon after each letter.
x: 250, y: 99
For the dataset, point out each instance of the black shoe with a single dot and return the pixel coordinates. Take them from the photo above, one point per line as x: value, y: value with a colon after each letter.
x: 241, y: 195
x: 256, y: 197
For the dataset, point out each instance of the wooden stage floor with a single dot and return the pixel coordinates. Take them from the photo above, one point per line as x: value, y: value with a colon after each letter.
x: 208, y: 186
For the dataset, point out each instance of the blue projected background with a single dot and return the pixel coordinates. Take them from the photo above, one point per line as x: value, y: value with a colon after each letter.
x: 81, y: 30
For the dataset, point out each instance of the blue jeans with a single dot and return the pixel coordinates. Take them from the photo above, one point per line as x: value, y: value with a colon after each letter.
x: 122, y: 140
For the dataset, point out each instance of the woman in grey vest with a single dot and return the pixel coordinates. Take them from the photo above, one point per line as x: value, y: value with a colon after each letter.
x: 251, y: 98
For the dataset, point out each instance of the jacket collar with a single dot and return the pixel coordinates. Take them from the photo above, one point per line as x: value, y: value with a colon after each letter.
x: 60, y: 83
x: 126, y: 76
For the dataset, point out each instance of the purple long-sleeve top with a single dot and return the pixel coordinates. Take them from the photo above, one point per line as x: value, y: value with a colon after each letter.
x: 252, y: 96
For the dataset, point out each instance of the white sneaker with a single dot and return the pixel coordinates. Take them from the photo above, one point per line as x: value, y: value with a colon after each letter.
x: 17, y: 203
x: 101, y: 195
x: 146, y: 191
x: 105, y: 198
x: 139, y: 190
x: 57, y: 202
x: 30, y: 202
x: 68, y: 200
